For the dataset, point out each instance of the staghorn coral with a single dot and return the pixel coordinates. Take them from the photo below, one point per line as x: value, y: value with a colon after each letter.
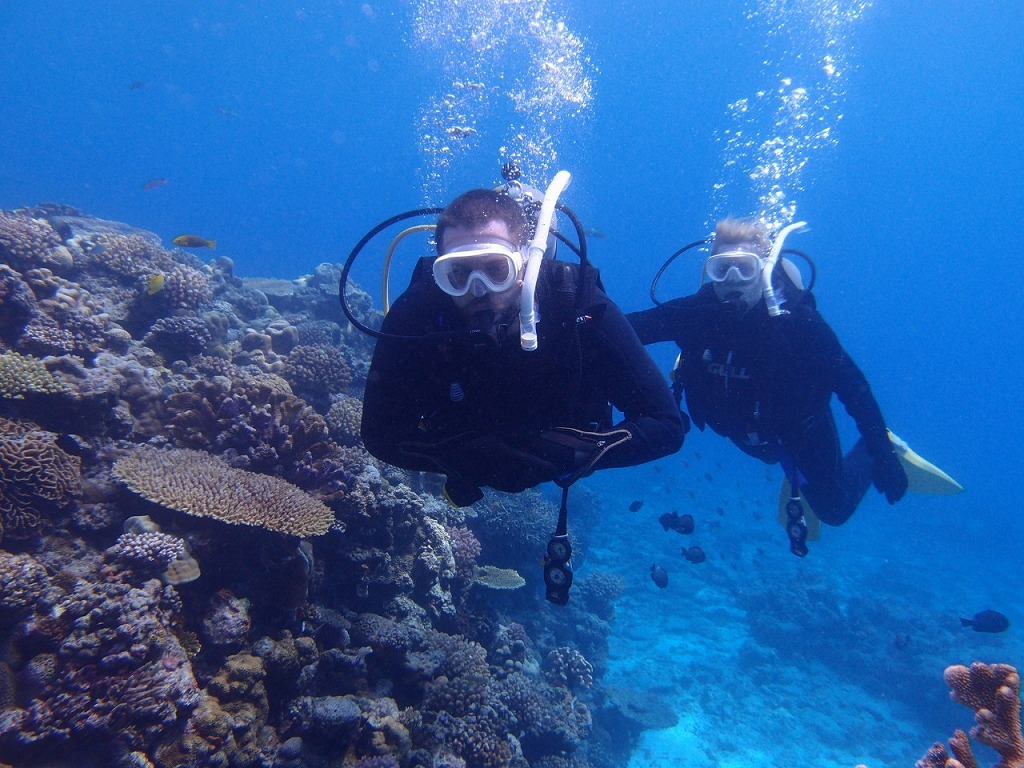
x: 993, y: 692
x: 22, y: 375
x: 35, y: 474
x: 198, y: 484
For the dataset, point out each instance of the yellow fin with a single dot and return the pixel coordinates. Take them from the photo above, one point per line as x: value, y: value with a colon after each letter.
x: 922, y: 475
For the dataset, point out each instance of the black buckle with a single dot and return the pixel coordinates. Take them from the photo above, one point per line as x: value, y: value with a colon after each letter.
x: 558, y: 569
x: 796, y: 527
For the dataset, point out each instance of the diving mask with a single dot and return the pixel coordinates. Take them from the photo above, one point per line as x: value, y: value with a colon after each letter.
x: 477, y: 267
x: 733, y: 266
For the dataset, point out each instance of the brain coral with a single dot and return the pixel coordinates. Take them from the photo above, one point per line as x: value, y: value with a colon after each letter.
x: 34, y: 472
x: 199, y: 484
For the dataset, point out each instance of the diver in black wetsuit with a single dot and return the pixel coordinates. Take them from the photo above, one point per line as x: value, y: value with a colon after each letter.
x: 766, y: 382
x: 451, y: 390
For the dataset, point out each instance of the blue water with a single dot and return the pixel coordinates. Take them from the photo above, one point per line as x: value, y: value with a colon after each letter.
x: 285, y: 132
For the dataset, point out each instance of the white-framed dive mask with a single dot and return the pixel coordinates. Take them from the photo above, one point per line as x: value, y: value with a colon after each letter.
x: 477, y: 268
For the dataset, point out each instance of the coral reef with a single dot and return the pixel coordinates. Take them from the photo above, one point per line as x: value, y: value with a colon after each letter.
x: 35, y: 475
x: 993, y: 692
x: 340, y: 619
x: 198, y: 484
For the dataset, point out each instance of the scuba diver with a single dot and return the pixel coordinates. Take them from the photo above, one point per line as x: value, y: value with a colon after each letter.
x: 499, y: 365
x: 759, y: 365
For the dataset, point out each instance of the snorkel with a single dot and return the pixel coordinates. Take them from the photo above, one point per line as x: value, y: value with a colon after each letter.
x: 534, y: 256
x: 770, y: 299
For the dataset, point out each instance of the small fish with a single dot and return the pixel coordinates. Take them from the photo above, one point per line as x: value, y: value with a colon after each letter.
x: 694, y: 554
x: 225, y: 112
x: 635, y: 506
x: 155, y: 284
x: 153, y: 184
x: 709, y: 477
x: 987, y: 621
x: 137, y: 85
x: 595, y: 232
x: 193, y: 241
x: 659, y: 576
x: 673, y: 521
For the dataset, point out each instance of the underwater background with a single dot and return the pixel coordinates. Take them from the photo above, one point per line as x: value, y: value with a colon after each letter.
x: 285, y: 132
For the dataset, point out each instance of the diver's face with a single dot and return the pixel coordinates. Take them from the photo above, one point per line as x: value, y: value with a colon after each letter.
x: 477, y: 303
x: 735, y: 271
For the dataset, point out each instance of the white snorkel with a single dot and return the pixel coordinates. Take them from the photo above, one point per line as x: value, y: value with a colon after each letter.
x: 770, y: 299
x: 534, y: 256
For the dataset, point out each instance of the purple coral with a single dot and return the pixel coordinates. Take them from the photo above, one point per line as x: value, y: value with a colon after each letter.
x: 123, y: 675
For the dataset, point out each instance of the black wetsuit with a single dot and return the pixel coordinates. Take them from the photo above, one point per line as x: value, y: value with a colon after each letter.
x: 477, y: 407
x: 766, y: 383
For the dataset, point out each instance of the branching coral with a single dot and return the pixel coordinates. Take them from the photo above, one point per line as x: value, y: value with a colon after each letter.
x: 993, y: 692
x: 198, y: 484
x: 29, y: 242
x: 317, y: 369
x: 121, y: 673
x: 35, y: 473
x: 344, y: 418
x: 255, y: 423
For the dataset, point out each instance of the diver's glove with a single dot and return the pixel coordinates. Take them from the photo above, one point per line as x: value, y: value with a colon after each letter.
x: 490, y: 460
x: 577, y: 451
x: 889, y: 476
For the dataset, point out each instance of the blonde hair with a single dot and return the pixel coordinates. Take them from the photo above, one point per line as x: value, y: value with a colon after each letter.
x: 732, y: 231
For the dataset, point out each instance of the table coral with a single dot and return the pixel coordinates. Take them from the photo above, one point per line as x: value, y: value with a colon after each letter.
x: 199, y: 484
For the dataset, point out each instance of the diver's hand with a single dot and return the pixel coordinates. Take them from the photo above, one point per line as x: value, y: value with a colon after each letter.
x: 889, y: 476
x: 576, y: 451
x: 490, y: 460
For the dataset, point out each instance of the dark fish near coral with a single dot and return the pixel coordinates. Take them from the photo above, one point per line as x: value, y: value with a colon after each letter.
x: 987, y: 621
x: 694, y: 554
x: 153, y: 184
x: 635, y: 506
x: 673, y: 521
x: 193, y: 241
x: 659, y: 576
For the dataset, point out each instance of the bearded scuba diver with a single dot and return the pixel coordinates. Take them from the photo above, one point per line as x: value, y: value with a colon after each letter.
x: 499, y: 365
x: 759, y: 365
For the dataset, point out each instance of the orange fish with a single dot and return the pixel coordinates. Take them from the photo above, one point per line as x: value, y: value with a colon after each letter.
x: 193, y: 241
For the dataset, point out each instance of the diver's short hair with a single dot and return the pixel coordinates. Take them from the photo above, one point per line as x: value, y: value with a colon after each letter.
x: 479, y: 206
x: 732, y: 231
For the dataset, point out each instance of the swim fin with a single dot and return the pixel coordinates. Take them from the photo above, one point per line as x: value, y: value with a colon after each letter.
x: 922, y: 475
x: 813, y: 523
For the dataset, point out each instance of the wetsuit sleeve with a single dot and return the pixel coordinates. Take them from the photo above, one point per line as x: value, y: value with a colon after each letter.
x: 851, y: 387
x: 615, y: 357
x: 392, y: 407
x: 662, y: 323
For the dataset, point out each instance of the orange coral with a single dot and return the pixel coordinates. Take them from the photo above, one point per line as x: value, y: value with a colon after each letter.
x: 993, y: 692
